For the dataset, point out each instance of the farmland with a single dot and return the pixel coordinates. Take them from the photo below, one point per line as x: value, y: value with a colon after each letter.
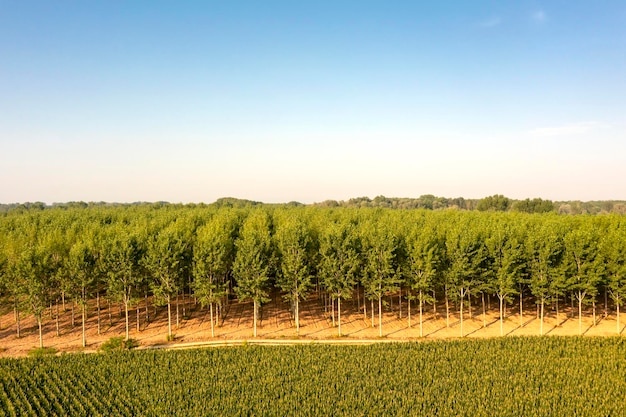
x: 502, y: 376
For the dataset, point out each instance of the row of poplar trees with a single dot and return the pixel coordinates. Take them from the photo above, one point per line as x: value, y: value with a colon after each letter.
x: 124, y: 254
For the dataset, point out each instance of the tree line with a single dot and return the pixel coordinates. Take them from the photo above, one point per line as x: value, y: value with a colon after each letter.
x: 125, y: 254
x: 495, y: 202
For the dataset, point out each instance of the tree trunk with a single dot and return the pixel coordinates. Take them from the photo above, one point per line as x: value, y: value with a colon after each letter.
x: 461, y: 311
x: 580, y: 313
x: 212, y: 325
x: 408, y: 293
x: 421, y: 315
x: 63, y: 300
x: 73, y: 321
x: 541, y: 322
x: 83, y: 324
x: 447, y: 311
x: 17, y: 320
x: 372, y: 306
x: 126, y: 301
x: 177, y: 316
x: 57, y: 318
x: 325, y: 305
x: 380, y: 316
x: 484, y: 315
x: 339, y: 313
x: 501, y: 315
x: 619, y: 328
x: 138, y: 323
x: 606, y: 303
x: 557, y: 310
x: 40, y: 332
x: 298, y: 315
x: 434, y: 304
x: 255, y: 318
x: 169, y: 318
x: 147, y: 314
x: 109, y: 310
x: 400, y: 304
x: 184, y: 309
x: 594, y: 313
x: 332, y: 311
x: 84, y: 316
x: 521, y: 309
x: 98, y: 309
x: 364, y: 308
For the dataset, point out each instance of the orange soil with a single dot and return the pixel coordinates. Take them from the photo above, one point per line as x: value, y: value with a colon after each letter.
x: 276, y: 323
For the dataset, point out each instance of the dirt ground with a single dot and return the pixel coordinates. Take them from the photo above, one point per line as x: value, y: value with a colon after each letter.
x: 276, y: 323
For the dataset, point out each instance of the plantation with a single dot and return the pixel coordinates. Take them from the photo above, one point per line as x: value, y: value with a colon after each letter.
x: 156, y: 259
x: 493, y: 377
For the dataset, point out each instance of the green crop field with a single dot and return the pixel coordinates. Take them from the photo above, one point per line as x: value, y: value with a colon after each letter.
x: 494, y: 377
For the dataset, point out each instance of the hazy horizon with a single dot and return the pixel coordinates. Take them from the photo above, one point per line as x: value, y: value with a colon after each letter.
x: 280, y: 101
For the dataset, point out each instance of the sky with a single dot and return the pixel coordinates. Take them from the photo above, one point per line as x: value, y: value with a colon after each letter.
x: 280, y: 101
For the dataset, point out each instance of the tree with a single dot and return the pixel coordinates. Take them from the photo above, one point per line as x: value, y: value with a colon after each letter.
x: 581, y: 269
x: 253, y: 260
x: 213, y: 256
x: 423, y: 264
x: 164, y: 257
x: 613, y: 256
x: 505, y: 252
x: 81, y: 267
x: 340, y: 262
x: 465, y: 255
x: 544, y: 248
x: 34, y: 271
x: 122, y: 258
x: 536, y: 205
x: 294, y: 244
x: 381, y: 272
x: 494, y: 203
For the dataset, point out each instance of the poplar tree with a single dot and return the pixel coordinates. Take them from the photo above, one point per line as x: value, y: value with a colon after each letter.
x: 381, y: 271
x: 340, y: 261
x: 423, y: 264
x: 163, y: 259
x: 123, y: 256
x: 213, y: 256
x: 294, y: 246
x: 581, y: 268
x: 81, y: 266
x: 613, y: 255
x: 253, y: 261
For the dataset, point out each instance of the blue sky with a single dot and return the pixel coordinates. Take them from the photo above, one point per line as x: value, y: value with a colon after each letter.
x: 308, y: 101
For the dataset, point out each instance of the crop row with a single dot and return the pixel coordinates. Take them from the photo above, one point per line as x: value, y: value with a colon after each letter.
x: 509, y: 376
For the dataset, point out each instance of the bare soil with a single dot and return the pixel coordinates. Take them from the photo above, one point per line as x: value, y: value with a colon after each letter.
x: 276, y: 323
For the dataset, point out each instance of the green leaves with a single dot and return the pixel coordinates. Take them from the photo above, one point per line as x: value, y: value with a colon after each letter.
x: 254, y: 258
x: 213, y: 256
x: 340, y: 259
x: 164, y: 260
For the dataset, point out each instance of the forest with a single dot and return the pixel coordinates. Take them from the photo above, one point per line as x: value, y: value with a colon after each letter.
x: 220, y: 254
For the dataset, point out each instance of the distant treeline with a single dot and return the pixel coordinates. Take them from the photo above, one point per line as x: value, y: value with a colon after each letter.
x: 427, y: 202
